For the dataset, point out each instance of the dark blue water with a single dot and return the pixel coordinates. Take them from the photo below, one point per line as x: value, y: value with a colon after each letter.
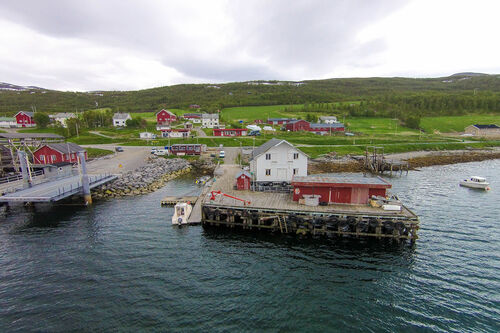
x: 119, y: 265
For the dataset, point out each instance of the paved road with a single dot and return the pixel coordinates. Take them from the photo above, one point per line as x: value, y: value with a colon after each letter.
x: 130, y: 159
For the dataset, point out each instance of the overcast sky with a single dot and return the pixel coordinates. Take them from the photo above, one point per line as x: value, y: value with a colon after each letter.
x: 127, y: 44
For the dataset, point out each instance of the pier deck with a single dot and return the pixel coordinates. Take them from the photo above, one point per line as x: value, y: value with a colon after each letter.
x: 276, y: 212
x: 55, y: 190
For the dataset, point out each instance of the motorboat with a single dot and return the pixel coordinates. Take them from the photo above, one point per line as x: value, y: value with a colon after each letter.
x: 476, y: 182
x: 202, y: 180
x: 182, y: 210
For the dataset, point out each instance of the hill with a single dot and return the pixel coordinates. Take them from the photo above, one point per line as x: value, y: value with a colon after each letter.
x: 216, y: 96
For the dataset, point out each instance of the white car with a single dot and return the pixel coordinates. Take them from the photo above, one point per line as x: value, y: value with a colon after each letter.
x: 161, y: 152
x: 222, y: 154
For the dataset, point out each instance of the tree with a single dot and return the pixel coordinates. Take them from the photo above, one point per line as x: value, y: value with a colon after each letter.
x: 136, y: 122
x: 41, y: 119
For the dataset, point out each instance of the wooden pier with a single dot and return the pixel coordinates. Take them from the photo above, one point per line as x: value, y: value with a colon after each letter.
x: 376, y: 162
x: 276, y: 212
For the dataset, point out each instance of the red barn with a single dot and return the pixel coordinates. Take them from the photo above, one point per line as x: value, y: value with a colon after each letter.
x: 279, y: 121
x: 350, y: 189
x: 187, y: 149
x: 57, y: 153
x: 298, y: 125
x: 321, y: 128
x: 243, y: 180
x: 230, y: 131
x: 25, y: 119
x: 165, y: 117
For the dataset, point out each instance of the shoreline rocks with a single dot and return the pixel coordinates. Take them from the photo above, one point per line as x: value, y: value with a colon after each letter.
x: 146, y: 179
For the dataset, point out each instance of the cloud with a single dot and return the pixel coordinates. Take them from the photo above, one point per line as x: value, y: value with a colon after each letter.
x: 126, y: 44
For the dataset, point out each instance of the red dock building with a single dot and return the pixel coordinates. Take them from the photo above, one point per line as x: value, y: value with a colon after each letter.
x: 351, y: 189
x: 243, y: 180
x: 57, y: 153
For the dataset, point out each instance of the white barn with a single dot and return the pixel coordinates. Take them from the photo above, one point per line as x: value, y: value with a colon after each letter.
x: 277, y: 161
x: 120, y: 119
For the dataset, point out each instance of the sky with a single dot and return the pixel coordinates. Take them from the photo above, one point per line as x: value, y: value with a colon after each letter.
x: 129, y: 45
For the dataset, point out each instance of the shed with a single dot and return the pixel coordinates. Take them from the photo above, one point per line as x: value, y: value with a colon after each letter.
x: 57, y: 152
x: 483, y: 130
x: 347, y: 189
x: 243, y: 180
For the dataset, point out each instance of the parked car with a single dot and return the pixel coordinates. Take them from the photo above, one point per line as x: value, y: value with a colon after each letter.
x: 161, y: 152
x: 118, y: 149
x: 222, y: 154
x: 153, y: 150
x: 254, y: 133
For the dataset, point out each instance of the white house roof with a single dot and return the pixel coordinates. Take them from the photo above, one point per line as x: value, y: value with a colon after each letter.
x: 121, y: 116
x: 66, y: 115
x: 270, y: 144
x: 328, y: 118
x: 210, y: 116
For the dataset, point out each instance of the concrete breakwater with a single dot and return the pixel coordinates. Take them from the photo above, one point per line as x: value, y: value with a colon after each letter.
x: 144, y: 180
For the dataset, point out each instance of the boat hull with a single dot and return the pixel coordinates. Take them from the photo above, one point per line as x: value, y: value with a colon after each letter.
x: 479, y: 186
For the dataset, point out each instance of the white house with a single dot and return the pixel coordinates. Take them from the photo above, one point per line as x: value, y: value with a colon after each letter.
x: 328, y: 119
x: 277, y: 161
x: 210, y: 120
x: 120, y: 119
x: 147, y: 135
x: 62, y: 117
x: 7, y: 122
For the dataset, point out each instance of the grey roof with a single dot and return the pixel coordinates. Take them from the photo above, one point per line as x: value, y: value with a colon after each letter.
x: 64, y: 115
x: 353, y: 178
x: 210, y: 115
x: 334, y: 125
x: 30, y: 136
x: 268, y: 145
x: 29, y: 113
x: 328, y: 118
x: 191, y: 115
x: 243, y: 172
x: 66, y: 148
x: 280, y: 119
x: 121, y: 116
x: 486, y: 126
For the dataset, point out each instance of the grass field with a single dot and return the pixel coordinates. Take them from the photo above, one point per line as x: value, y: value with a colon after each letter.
x: 97, y: 152
x: 250, y: 113
x: 452, y: 124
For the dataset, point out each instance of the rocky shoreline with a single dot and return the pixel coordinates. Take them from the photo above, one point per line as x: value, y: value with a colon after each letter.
x: 415, y: 160
x: 145, y: 179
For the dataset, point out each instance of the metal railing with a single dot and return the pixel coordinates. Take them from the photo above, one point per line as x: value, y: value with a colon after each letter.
x: 17, y: 177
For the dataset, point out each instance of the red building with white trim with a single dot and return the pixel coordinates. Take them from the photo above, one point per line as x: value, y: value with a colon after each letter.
x: 57, y: 153
x: 230, y: 131
x: 349, y: 189
x: 243, y: 180
x: 298, y: 125
x: 25, y: 119
x: 165, y: 117
x: 187, y: 149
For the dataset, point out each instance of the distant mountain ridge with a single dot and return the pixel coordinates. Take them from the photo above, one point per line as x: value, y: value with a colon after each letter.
x: 13, y: 87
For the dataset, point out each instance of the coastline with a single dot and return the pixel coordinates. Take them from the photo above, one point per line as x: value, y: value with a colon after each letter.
x: 416, y: 159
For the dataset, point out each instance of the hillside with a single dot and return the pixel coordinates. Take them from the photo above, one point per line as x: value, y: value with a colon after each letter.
x: 213, y: 96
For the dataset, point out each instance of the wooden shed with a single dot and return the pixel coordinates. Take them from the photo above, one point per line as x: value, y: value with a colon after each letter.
x: 348, y: 189
x: 243, y: 180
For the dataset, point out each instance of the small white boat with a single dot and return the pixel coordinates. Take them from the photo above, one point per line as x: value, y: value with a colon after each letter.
x: 476, y: 182
x: 182, y: 210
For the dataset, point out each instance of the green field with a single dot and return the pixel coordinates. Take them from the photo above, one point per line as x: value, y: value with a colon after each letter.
x: 250, y: 113
x: 97, y: 152
x: 452, y: 124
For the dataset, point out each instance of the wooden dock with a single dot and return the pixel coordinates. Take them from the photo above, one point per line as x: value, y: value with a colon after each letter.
x: 172, y: 200
x: 276, y: 212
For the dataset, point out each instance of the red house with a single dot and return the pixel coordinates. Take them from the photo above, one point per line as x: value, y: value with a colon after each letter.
x: 57, y: 153
x: 298, y: 125
x: 350, y: 189
x: 187, y: 149
x: 230, y: 131
x: 243, y: 180
x: 165, y: 117
x: 25, y: 119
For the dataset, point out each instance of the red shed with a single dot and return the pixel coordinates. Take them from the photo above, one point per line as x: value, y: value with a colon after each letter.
x: 230, y: 131
x: 298, y: 125
x: 57, y: 153
x: 25, y: 119
x: 165, y: 117
x: 243, y: 180
x: 348, y: 189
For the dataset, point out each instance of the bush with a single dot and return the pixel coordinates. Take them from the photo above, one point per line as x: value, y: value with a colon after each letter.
x: 41, y: 119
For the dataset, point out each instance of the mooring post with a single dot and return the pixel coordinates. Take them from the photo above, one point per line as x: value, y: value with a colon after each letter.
x: 87, y: 198
x: 24, y: 168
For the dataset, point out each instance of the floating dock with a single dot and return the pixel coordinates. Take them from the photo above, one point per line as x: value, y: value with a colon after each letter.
x: 172, y: 201
x: 276, y: 212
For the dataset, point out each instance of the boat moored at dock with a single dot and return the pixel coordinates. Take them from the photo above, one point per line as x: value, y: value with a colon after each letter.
x: 182, y: 211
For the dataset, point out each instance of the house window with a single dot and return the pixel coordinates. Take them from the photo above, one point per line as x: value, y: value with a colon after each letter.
x: 295, y: 156
x: 268, y: 157
x: 268, y: 172
x: 295, y: 171
x: 53, y: 158
x: 42, y: 158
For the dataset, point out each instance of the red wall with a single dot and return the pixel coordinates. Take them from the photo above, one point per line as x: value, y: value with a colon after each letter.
x: 339, y: 194
x: 163, y: 117
x: 196, y: 149
x: 243, y: 182
x: 48, y: 154
x: 300, y: 125
x: 23, y: 119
